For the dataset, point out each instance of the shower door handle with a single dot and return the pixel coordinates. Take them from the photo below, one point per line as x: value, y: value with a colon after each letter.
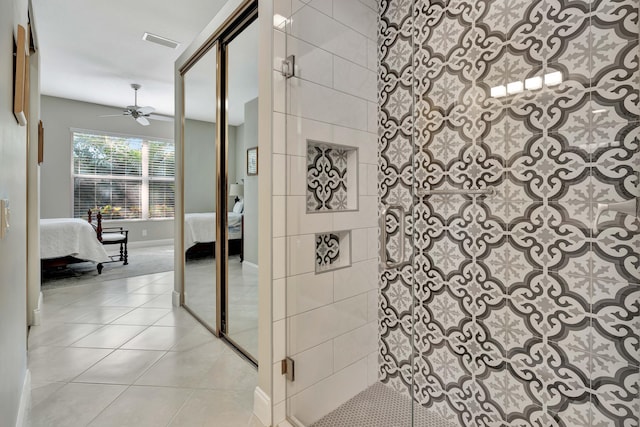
x: 383, y: 237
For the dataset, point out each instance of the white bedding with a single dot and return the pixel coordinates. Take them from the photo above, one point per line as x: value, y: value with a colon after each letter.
x: 60, y: 237
x: 201, y: 227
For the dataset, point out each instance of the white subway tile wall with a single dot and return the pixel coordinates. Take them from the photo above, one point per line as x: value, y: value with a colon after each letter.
x: 331, y: 316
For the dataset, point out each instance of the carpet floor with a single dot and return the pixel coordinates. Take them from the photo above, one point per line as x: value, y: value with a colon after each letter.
x: 146, y: 260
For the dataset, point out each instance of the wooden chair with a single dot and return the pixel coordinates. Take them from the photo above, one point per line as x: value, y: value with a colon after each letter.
x: 112, y: 236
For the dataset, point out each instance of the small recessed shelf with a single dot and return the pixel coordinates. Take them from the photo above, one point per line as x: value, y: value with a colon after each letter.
x: 332, y: 177
x: 333, y: 251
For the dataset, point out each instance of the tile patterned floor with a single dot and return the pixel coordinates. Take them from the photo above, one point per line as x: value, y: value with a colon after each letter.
x: 116, y: 353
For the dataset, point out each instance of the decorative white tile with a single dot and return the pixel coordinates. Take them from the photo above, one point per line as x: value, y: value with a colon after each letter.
x: 279, y: 299
x: 316, y: 102
x: 300, y: 129
x: 279, y: 49
x: 279, y: 133
x: 355, y: 345
x: 359, y: 246
x: 279, y: 219
x: 361, y: 277
x: 354, y: 79
x: 308, y: 291
x: 279, y: 257
x: 312, y: 365
x: 312, y: 64
x: 279, y: 340
x: 279, y: 175
x: 320, y: 30
x: 357, y: 16
x: 300, y: 254
x: 314, y: 402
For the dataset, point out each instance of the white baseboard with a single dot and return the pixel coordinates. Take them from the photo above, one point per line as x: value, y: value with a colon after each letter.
x: 36, y: 315
x: 262, y: 406
x: 25, y: 401
x: 150, y: 243
x: 175, y: 298
x: 246, y: 263
x: 285, y: 423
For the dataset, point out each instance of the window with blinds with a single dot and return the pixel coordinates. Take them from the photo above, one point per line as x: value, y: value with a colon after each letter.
x: 125, y: 177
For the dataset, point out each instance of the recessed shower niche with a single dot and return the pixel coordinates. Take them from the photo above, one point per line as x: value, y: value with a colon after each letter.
x: 332, y: 177
x: 333, y: 251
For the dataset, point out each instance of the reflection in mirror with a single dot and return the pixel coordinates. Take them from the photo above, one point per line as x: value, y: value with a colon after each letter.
x: 200, y: 188
x: 242, y: 102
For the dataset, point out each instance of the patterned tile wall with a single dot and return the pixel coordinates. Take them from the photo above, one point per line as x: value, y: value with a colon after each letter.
x: 521, y: 312
x: 326, y: 178
x: 327, y: 250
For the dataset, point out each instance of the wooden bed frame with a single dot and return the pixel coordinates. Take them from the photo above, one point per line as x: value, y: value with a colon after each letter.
x: 62, y: 262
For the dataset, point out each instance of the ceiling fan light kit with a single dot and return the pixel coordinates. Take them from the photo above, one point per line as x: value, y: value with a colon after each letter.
x: 140, y: 114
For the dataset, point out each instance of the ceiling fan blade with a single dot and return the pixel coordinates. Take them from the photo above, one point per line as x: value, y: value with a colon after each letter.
x: 146, y: 110
x: 114, y: 115
x: 143, y: 121
x: 160, y: 118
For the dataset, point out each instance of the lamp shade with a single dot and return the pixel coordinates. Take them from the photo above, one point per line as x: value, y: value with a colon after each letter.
x: 236, y: 190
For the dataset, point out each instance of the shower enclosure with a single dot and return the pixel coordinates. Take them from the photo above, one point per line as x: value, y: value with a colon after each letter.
x: 460, y: 220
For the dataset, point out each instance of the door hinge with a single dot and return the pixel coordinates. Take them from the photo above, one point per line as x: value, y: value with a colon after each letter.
x: 288, y: 67
x: 288, y: 368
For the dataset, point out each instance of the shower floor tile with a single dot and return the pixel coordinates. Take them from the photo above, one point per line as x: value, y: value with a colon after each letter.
x: 380, y: 405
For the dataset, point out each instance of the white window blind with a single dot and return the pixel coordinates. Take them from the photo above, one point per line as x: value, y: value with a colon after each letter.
x: 124, y: 177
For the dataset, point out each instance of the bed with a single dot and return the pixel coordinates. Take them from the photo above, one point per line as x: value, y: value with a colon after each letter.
x: 65, y: 241
x: 200, y: 233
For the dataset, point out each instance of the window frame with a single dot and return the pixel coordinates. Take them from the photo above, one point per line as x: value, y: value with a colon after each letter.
x: 144, y: 179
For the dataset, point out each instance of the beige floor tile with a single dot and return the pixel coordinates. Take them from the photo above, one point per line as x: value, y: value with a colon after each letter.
x: 142, y: 316
x: 178, y: 316
x: 156, y: 289
x: 128, y: 300
x: 95, y: 300
x: 60, y: 335
x: 183, y: 369
x: 109, y: 336
x: 213, y: 408
x: 156, y: 338
x: 120, y: 367
x: 102, y: 315
x: 74, y: 405
x: 230, y: 372
x: 160, y: 301
x: 197, y: 337
x: 41, y: 391
x: 48, y: 364
x: 143, y: 406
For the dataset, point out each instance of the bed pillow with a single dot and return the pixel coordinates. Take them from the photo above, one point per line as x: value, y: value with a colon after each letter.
x: 238, y: 207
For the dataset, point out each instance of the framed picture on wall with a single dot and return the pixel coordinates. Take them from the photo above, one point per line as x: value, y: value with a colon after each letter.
x: 19, y: 76
x: 40, y: 142
x: 252, y: 161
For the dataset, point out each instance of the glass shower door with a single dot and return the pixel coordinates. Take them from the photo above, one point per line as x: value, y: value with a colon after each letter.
x: 346, y: 342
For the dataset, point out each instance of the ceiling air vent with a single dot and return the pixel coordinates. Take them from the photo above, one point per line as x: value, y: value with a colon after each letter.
x: 160, y: 40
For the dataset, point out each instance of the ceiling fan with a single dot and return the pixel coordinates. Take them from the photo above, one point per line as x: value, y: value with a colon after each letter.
x: 140, y: 114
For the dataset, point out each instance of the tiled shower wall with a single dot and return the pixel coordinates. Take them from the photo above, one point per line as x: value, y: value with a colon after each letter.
x: 328, y: 319
x: 521, y: 312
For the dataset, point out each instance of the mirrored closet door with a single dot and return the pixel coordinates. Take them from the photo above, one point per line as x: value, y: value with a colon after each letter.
x: 220, y: 153
x: 199, y: 153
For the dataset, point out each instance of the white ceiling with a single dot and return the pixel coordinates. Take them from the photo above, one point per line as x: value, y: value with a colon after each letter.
x: 93, y: 51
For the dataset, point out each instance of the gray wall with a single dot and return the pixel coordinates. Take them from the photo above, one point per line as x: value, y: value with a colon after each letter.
x: 200, y: 166
x: 59, y: 115
x: 248, y: 137
x: 13, y: 249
